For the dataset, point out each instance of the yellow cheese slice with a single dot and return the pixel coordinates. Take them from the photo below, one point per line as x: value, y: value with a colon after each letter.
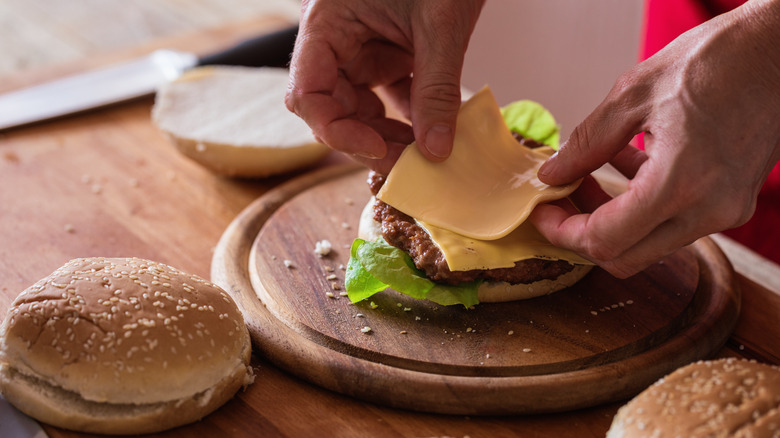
x: 485, y: 189
x: 524, y: 242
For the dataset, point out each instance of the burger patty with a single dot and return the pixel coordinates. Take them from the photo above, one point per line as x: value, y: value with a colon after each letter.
x: 401, y: 231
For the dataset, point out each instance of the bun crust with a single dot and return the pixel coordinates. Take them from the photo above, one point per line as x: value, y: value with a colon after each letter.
x: 489, y: 291
x: 122, y: 346
x: 719, y: 398
x: 232, y: 120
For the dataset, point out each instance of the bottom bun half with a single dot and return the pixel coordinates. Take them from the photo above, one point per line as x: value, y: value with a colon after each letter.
x: 68, y: 410
x: 489, y: 291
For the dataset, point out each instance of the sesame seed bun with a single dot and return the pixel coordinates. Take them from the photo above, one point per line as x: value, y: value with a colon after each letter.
x: 489, y: 291
x: 718, y: 398
x: 122, y: 346
x: 232, y: 120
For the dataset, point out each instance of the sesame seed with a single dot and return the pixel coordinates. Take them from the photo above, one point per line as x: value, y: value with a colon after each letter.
x: 366, y: 329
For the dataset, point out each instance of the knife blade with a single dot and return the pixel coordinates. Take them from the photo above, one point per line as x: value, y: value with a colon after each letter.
x: 133, y: 79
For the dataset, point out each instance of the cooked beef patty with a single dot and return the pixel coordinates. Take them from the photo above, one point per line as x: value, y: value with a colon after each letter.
x: 401, y: 231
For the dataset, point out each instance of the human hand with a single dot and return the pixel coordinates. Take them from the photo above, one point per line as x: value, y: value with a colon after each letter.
x: 412, y: 50
x: 708, y: 104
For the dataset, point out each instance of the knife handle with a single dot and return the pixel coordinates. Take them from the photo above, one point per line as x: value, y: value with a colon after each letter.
x: 272, y: 50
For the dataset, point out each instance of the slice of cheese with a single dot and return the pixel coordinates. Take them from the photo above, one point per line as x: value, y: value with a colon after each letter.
x: 524, y: 242
x: 485, y: 189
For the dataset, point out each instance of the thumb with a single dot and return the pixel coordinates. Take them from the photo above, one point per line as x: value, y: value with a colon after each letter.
x: 440, y: 41
x: 594, y: 142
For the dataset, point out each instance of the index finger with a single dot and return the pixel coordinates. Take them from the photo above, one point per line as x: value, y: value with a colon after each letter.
x: 314, y: 76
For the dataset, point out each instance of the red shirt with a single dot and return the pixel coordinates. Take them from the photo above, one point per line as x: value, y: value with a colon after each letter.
x: 664, y: 21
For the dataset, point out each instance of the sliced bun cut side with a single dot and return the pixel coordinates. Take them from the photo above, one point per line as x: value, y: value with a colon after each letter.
x: 717, y: 398
x: 233, y: 121
x: 99, y: 335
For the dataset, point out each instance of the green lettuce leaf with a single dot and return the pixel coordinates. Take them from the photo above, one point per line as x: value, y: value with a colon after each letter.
x: 375, y: 266
x: 532, y: 120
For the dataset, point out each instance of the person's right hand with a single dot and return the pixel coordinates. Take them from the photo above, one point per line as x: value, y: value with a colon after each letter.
x: 413, y: 50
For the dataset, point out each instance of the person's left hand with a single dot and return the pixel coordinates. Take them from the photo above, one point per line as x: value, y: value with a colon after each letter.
x: 709, y: 105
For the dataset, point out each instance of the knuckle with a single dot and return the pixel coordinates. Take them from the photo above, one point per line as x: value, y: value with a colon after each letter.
x: 631, y: 88
x: 439, y: 95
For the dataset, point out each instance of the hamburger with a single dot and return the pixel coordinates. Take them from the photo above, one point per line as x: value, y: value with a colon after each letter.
x: 122, y: 346
x: 717, y: 398
x: 455, y: 232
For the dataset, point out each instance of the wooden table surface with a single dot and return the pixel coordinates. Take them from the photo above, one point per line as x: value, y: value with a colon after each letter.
x: 107, y: 183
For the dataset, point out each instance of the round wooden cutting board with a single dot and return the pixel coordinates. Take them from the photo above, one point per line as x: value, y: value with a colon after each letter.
x: 599, y: 341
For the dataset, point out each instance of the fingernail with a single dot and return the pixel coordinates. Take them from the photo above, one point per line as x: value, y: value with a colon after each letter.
x: 367, y: 154
x: 438, y: 141
x: 547, y: 167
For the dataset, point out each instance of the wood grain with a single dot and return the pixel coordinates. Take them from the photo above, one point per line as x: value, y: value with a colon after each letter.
x: 601, y: 340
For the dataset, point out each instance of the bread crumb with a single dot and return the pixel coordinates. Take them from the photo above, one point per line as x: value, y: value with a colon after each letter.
x: 511, y: 332
x: 366, y: 329
x: 323, y: 248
